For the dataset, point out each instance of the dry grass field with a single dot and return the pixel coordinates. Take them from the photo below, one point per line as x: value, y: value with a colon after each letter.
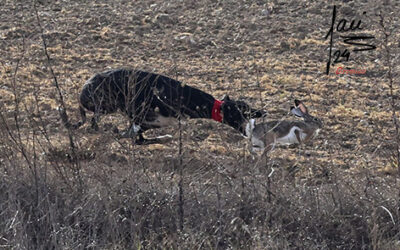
x: 85, y: 189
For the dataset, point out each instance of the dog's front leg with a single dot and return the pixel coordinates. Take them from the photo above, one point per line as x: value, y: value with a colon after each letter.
x: 95, y: 120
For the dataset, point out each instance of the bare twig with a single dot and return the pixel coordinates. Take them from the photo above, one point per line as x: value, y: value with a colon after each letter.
x: 62, y: 109
x: 180, y: 152
x: 388, y: 58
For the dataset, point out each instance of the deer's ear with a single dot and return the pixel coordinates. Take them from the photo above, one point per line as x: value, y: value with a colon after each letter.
x: 226, y: 98
x: 296, y: 112
x: 300, y: 105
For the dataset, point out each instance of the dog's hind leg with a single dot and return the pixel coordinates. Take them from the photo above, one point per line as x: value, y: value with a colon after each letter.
x: 140, y: 140
x: 136, y: 132
x: 132, y: 132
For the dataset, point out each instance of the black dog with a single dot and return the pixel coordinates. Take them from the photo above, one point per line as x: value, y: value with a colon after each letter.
x: 152, y: 101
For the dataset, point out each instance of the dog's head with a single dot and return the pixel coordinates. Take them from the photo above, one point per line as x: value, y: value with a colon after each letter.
x: 237, y: 113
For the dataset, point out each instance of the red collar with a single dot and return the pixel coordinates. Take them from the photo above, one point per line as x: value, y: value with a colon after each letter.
x: 216, y: 111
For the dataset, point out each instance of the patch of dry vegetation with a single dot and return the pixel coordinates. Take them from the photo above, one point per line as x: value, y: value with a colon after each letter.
x: 340, y: 191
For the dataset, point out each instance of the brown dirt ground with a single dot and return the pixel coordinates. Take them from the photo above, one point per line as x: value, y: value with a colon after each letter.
x: 265, y: 52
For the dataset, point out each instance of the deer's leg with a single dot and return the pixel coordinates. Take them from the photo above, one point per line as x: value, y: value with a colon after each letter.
x: 297, y: 133
x: 270, y: 142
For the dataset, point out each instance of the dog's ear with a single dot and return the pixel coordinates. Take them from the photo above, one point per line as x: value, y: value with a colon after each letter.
x: 255, y: 113
x: 226, y: 98
x: 296, y: 112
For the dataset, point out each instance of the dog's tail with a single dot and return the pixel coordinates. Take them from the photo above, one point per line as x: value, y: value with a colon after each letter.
x: 83, y: 117
x: 67, y: 123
